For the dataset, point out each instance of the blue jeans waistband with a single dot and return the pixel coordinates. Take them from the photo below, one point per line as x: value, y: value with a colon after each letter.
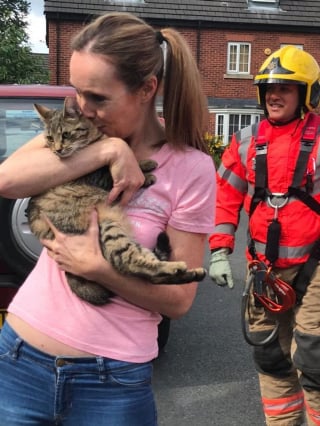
x: 17, y: 346
x: 60, y: 390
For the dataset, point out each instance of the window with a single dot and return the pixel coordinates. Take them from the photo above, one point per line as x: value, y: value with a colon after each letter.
x: 228, y: 124
x: 298, y: 46
x: 264, y: 3
x: 239, y: 58
x: 19, y: 121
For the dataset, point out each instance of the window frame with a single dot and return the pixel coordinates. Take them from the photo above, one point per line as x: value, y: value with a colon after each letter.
x: 129, y: 1
x: 238, y: 46
x: 298, y: 46
x: 268, y: 3
x: 222, y: 120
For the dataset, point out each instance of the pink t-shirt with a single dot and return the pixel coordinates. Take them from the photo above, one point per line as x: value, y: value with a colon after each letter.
x: 183, y: 197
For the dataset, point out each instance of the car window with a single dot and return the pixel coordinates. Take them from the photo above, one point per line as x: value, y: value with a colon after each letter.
x: 19, y: 122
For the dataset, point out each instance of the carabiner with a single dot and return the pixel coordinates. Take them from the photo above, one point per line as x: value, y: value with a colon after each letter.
x: 285, y: 296
x: 245, y: 309
x: 274, y: 294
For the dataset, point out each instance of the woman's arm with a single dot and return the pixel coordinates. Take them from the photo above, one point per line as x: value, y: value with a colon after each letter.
x: 82, y: 256
x: 33, y: 168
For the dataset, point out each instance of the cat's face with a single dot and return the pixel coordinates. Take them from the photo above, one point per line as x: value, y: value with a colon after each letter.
x: 67, y: 131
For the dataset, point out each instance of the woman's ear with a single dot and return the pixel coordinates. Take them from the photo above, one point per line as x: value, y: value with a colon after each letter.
x: 149, y: 89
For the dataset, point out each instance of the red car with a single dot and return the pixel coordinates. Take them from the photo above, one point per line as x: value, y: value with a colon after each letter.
x: 19, y: 249
x: 19, y: 123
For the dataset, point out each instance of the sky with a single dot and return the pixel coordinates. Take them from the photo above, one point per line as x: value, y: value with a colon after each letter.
x: 37, y: 27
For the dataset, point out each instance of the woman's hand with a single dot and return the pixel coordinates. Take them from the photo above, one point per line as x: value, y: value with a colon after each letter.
x: 77, y: 254
x: 81, y: 255
x: 33, y: 168
x: 126, y: 173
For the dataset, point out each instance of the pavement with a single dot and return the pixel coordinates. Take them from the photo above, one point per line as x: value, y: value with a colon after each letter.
x: 206, y: 375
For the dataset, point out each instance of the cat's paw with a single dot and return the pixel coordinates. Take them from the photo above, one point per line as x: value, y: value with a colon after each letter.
x: 150, y: 179
x: 181, y: 276
x: 189, y: 276
x: 148, y: 165
x: 197, y: 274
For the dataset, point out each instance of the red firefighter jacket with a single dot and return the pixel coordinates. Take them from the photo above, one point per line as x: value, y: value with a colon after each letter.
x: 300, y: 226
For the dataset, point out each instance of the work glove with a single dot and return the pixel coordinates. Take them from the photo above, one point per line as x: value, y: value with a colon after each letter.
x: 220, y: 269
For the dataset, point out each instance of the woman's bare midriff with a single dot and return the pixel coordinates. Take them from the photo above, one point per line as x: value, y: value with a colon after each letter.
x: 41, y: 341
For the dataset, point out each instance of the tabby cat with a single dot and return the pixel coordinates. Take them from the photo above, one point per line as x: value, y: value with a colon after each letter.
x: 68, y: 206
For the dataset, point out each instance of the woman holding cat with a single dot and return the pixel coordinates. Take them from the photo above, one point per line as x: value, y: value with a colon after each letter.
x: 62, y: 359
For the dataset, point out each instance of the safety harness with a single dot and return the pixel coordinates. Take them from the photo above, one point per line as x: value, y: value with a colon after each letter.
x: 270, y: 291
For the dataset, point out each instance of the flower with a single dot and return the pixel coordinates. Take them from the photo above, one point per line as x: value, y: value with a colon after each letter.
x: 215, y: 147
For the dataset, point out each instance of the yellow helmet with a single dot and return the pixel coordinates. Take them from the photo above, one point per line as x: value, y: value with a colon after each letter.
x: 292, y: 66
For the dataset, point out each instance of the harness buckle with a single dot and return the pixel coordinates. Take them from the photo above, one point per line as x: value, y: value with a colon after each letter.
x: 276, y: 200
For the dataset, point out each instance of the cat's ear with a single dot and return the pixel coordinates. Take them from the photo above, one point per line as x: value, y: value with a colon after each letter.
x: 44, y: 112
x: 71, y: 107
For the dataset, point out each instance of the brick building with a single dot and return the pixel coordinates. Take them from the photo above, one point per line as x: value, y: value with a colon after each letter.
x: 230, y: 39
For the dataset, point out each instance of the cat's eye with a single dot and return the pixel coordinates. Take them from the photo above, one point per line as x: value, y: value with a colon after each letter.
x: 66, y: 135
x: 49, y: 138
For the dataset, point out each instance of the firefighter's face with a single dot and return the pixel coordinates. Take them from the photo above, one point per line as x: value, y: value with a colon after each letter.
x: 282, y: 101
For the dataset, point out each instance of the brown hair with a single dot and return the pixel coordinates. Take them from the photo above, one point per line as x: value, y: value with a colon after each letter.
x: 135, y: 49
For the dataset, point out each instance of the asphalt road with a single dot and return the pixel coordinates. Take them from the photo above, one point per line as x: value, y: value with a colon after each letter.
x: 205, y: 376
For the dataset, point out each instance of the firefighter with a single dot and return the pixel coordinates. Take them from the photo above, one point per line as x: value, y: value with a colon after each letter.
x: 272, y: 169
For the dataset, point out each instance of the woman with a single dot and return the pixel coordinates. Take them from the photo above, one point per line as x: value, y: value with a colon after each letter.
x: 63, y: 360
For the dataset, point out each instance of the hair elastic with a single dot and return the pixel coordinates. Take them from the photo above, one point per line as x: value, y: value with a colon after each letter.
x: 160, y: 37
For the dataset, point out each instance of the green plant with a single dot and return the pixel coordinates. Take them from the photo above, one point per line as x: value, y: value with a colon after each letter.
x: 215, y: 147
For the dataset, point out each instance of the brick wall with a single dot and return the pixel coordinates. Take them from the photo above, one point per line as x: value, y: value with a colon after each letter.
x: 211, y: 57
x: 60, y: 35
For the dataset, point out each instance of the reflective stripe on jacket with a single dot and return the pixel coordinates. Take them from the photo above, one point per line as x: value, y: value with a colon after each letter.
x: 300, y: 226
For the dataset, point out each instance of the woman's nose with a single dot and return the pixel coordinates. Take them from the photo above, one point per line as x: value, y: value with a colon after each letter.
x: 86, y: 110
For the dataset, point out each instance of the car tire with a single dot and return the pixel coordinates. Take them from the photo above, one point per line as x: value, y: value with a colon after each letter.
x: 14, y: 237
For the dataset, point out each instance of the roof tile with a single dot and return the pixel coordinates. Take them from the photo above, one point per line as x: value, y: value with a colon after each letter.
x: 291, y: 13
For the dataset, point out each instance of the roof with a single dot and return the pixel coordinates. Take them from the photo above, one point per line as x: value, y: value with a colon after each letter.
x: 292, y: 15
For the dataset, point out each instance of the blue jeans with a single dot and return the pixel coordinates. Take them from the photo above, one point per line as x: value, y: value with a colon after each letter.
x: 40, y: 389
